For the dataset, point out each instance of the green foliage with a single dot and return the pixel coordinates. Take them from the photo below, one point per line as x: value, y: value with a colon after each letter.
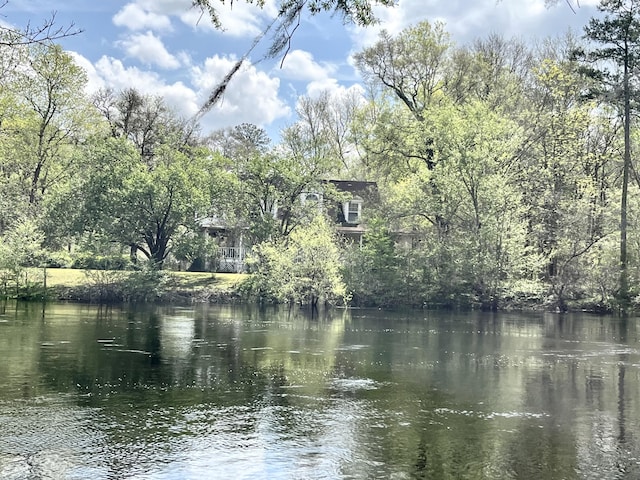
x: 376, y: 272
x: 617, y: 35
x: 21, y: 248
x: 60, y: 259
x: 147, y: 284
x: 138, y: 206
x: 303, y: 269
x: 193, y: 247
x: 498, y: 168
x: 495, y: 166
x: 92, y: 261
x: 271, y: 185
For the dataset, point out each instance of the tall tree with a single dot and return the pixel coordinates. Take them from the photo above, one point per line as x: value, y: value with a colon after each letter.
x: 142, y: 207
x: 411, y: 65
x: 46, y: 116
x: 145, y: 120
x: 614, y: 61
x: 240, y: 142
x: 326, y: 121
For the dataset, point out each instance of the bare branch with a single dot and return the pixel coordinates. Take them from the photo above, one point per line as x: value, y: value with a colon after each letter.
x: 46, y: 33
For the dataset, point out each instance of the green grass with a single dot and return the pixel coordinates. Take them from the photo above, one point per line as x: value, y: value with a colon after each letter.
x: 68, y: 277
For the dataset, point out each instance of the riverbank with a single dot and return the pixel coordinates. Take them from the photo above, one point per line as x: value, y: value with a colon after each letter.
x: 160, y: 286
x: 93, y: 286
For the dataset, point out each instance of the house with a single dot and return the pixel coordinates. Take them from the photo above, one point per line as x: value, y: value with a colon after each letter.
x: 231, y: 251
x: 348, y: 212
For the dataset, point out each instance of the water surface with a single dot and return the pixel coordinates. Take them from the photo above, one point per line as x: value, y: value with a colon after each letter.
x: 234, y: 392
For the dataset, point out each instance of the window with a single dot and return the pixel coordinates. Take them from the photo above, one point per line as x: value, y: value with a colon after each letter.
x: 353, y: 211
x: 311, y: 199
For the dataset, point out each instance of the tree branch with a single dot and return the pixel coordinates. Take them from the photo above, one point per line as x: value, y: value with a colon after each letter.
x: 46, y: 33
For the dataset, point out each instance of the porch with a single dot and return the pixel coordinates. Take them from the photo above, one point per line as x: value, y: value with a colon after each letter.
x: 230, y: 260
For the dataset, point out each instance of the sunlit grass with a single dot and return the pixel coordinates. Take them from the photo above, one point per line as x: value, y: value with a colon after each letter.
x: 68, y: 277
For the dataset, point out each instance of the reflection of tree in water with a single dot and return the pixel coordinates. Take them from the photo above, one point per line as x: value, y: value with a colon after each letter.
x: 579, y: 380
x: 356, y: 393
x: 153, y: 339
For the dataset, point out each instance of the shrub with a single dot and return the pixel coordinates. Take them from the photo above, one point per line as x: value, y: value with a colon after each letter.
x: 88, y: 261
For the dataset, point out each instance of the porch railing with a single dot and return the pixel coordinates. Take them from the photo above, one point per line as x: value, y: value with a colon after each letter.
x: 231, y: 259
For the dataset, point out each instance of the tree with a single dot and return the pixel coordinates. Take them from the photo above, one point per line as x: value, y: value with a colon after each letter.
x: 145, y: 120
x: 567, y: 176
x: 618, y: 34
x: 44, y: 117
x: 240, y: 142
x: 410, y: 65
x: 325, y: 121
x: 303, y: 269
x: 141, y: 207
x: 270, y: 181
x: 53, y: 116
x: 20, y: 247
x: 375, y: 272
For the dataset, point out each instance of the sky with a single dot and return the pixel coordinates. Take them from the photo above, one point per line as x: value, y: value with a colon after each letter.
x: 167, y: 48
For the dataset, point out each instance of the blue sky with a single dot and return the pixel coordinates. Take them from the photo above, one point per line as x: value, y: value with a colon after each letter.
x: 164, y: 47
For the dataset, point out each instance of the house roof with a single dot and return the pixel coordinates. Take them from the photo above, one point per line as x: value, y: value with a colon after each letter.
x: 353, y: 186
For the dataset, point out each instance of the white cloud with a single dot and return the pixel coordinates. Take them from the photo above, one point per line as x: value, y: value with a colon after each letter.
x: 466, y: 21
x: 150, y: 50
x: 300, y: 65
x: 252, y: 96
x: 113, y: 73
x: 116, y: 75
x: 180, y: 98
x: 164, y: 7
x: 94, y: 80
x: 331, y: 87
x: 239, y: 19
x: 134, y: 17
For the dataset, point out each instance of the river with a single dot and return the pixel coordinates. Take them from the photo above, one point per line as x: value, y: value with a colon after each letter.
x: 89, y: 392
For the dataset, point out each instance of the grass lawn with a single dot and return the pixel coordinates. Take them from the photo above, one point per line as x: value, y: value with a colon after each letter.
x: 69, y: 277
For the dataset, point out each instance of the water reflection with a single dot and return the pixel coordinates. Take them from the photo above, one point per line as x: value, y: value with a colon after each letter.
x: 236, y: 392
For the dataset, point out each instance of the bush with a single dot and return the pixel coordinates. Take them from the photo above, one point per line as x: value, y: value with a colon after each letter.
x: 87, y: 261
x: 147, y: 284
x: 58, y: 260
x: 304, y: 268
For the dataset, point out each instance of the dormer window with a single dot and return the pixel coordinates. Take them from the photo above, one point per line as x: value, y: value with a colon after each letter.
x: 353, y: 210
x: 310, y: 199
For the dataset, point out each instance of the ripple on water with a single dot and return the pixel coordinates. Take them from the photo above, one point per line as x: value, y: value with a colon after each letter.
x: 488, y: 415
x: 354, y: 384
x: 49, y: 437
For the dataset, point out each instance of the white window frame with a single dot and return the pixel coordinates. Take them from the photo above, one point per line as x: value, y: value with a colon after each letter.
x: 304, y: 199
x: 346, y: 209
